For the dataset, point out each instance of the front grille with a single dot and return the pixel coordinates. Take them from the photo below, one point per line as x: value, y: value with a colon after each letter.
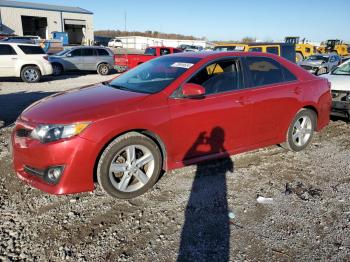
x: 34, y: 171
x: 22, y: 132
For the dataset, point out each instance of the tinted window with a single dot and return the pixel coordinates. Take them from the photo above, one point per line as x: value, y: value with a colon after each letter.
x: 288, y: 76
x: 7, y: 50
x: 264, y: 71
x: 164, y: 51
x: 32, y: 50
x: 255, y: 49
x: 177, y: 50
x: 87, y: 52
x: 102, y: 52
x: 219, y: 77
x: 272, y: 50
x: 150, y: 51
x: 76, y: 52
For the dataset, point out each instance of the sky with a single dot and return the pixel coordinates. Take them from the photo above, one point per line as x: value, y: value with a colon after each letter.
x: 316, y: 20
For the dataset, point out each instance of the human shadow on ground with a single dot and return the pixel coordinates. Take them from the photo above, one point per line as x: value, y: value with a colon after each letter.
x: 206, y: 234
x: 12, y: 105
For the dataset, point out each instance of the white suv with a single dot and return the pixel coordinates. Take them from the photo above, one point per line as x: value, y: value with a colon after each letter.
x: 116, y: 43
x: 29, y: 62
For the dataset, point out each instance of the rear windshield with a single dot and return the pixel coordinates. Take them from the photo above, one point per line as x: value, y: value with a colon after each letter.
x: 154, y: 75
x: 32, y: 50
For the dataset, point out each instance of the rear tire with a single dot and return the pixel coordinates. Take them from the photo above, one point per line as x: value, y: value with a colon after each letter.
x: 103, y: 69
x: 301, y: 130
x: 30, y: 74
x: 129, y: 166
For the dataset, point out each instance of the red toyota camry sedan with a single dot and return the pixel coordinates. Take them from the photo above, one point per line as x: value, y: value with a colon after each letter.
x: 172, y: 111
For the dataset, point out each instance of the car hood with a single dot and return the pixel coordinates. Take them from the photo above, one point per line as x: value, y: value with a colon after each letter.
x: 89, y: 103
x: 312, y: 63
x: 339, y: 82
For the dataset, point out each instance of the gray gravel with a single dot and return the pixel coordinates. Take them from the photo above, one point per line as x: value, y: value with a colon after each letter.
x: 185, y: 216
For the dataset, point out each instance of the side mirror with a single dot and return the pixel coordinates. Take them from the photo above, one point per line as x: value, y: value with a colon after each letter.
x: 190, y: 90
x: 69, y: 55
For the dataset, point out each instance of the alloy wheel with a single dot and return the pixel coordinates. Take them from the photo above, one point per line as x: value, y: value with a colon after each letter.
x: 302, y: 130
x: 131, y: 168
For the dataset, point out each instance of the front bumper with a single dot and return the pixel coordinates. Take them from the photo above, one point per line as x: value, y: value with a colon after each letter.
x: 340, y: 103
x: 76, y: 155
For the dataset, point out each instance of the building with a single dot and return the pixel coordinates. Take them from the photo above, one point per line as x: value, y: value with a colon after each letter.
x: 141, y: 42
x: 24, y: 18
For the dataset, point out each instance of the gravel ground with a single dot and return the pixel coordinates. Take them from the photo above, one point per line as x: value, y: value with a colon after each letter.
x: 185, y: 217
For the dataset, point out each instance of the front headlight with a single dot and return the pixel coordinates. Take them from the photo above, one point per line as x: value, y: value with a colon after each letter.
x: 50, y: 133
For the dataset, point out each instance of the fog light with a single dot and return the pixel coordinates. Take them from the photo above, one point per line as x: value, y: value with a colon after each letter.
x: 53, y: 174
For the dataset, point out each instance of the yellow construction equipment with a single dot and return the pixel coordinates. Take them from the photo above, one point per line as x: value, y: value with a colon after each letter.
x: 335, y: 46
x: 302, y: 48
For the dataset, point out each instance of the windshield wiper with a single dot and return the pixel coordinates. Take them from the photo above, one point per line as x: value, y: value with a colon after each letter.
x: 125, y: 88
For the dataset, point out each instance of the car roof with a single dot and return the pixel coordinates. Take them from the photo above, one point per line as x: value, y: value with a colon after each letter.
x: 214, y: 54
x: 16, y: 43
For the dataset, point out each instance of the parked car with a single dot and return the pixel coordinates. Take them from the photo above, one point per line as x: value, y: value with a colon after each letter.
x: 125, y: 62
x: 29, y: 62
x: 340, y: 80
x: 83, y: 58
x: 286, y: 50
x: 116, y: 43
x: 191, y: 48
x: 320, y: 64
x: 22, y: 39
x: 169, y: 112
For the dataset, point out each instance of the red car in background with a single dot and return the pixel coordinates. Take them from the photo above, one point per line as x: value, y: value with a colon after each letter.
x: 172, y: 111
x: 125, y: 62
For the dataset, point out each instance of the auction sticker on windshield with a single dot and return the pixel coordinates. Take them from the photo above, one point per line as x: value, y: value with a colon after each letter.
x: 182, y: 65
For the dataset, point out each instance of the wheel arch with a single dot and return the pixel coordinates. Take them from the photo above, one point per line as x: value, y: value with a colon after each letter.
x: 146, y: 132
x: 29, y: 64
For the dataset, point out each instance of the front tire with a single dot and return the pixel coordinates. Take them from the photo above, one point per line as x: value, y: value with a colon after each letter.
x: 129, y: 166
x: 103, y: 69
x: 30, y: 74
x: 301, y: 130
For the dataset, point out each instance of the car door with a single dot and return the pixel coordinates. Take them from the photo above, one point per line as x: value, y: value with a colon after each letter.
x: 274, y: 93
x: 215, y: 124
x: 89, y: 57
x: 73, y: 60
x: 8, y: 60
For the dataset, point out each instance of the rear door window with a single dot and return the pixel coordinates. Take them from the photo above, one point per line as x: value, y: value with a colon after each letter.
x: 7, y: 50
x: 31, y: 50
x: 102, y: 52
x: 87, y: 52
x: 266, y: 71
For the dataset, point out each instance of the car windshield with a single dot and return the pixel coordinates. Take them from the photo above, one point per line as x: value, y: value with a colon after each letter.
x: 317, y: 58
x: 343, y: 69
x: 153, y: 76
x: 62, y: 52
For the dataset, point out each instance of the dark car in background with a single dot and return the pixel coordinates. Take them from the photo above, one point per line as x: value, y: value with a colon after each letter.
x: 83, y: 58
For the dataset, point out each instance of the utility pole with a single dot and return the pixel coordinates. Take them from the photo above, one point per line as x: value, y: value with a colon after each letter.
x: 125, y: 21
